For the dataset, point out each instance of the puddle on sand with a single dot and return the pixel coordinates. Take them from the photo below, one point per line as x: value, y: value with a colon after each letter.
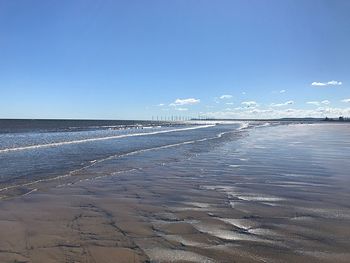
x: 258, y: 198
x: 326, y: 256
x: 173, y: 255
x: 226, y: 234
x: 185, y: 241
x: 198, y: 205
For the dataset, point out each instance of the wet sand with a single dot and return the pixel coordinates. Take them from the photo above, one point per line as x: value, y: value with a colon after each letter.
x: 266, y: 197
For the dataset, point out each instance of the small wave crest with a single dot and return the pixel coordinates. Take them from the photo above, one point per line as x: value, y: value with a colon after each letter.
x: 243, y: 125
x: 55, y: 144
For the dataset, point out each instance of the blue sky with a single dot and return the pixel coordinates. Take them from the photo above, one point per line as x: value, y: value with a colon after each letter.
x: 138, y: 59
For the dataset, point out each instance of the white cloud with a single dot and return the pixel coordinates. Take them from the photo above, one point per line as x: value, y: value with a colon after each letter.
x: 180, y: 102
x: 320, y: 112
x: 250, y: 103
x: 346, y: 100
x: 161, y: 105
x: 334, y: 82
x: 225, y: 97
x: 290, y: 102
x: 260, y: 111
x: 229, y: 103
x: 318, y: 84
x: 333, y: 112
x: 329, y: 83
x: 282, y: 91
x: 318, y: 103
x: 181, y: 109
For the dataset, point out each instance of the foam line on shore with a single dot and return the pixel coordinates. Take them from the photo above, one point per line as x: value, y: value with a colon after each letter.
x: 101, y: 139
x: 71, y: 173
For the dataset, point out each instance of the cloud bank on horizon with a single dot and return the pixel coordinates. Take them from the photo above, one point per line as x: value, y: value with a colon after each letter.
x: 255, y: 109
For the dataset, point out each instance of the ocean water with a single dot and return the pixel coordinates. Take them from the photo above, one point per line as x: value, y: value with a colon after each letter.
x: 39, y: 150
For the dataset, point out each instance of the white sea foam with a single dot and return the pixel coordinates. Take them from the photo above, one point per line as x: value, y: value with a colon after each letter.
x: 243, y: 125
x: 31, y: 191
x: 265, y: 124
x: 235, y: 165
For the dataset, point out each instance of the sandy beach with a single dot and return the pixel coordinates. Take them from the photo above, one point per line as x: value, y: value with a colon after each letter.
x: 242, y: 207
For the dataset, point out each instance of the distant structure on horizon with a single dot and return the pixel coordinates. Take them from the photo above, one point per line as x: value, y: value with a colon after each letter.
x: 340, y: 119
x: 171, y: 118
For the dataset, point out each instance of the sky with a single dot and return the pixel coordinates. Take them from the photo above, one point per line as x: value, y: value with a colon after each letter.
x: 107, y: 59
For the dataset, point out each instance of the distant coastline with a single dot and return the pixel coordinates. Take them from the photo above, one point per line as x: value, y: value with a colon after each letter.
x: 308, y: 119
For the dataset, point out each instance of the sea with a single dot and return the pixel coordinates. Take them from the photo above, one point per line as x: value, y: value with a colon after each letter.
x: 37, y: 150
